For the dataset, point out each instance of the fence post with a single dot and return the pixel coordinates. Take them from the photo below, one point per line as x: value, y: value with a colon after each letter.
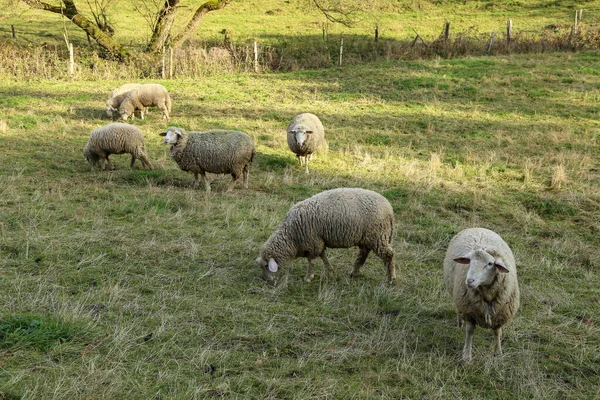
x: 489, y: 48
x: 171, y: 63
x: 508, y: 33
x: 341, y: 50
x: 255, y: 57
x: 447, y: 32
x: 576, y: 24
x: 580, y: 14
x: 71, y: 60
x: 162, y: 72
x: 376, y: 33
x: 14, y: 36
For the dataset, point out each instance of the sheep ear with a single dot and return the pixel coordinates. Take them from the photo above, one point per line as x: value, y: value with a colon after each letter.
x: 309, y: 132
x: 260, y: 261
x: 463, y: 260
x: 272, y: 265
x: 163, y: 133
x: 500, y: 266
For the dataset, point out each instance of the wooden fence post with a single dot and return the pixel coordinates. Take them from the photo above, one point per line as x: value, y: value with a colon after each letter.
x: 489, y: 48
x: 14, y: 36
x: 447, y: 32
x: 341, y: 50
x: 508, y: 33
x: 71, y: 60
x: 162, y: 72
x: 171, y: 63
x: 376, y: 33
x: 255, y: 57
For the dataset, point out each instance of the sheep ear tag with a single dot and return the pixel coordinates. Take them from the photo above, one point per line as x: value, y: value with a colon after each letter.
x: 272, y: 265
x: 499, y: 264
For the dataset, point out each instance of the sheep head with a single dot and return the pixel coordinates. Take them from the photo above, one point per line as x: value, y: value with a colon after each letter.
x: 483, y: 267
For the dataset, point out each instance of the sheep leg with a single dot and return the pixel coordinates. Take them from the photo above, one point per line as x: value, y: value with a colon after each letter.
x: 469, y: 329
x: 165, y: 112
x: 310, y: 271
x: 245, y: 176
x: 459, y: 321
x: 360, y: 261
x: 206, y: 181
x: 323, y: 256
x: 132, y: 161
x: 387, y: 255
x: 110, y: 166
x: 235, y: 178
x: 496, y: 345
x: 300, y: 159
x: 306, y: 158
x: 145, y: 162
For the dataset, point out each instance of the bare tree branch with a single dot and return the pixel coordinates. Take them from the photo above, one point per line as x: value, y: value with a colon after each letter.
x: 191, y: 27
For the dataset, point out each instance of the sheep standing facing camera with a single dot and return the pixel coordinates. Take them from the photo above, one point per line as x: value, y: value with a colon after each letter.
x: 216, y: 151
x: 337, y: 218
x: 305, y: 134
x: 116, y: 138
x: 481, y: 276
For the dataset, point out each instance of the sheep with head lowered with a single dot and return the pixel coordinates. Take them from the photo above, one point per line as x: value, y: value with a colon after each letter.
x: 215, y: 151
x: 337, y: 218
x: 481, y: 276
x: 116, y: 98
x: 305, y: 134
x: 116, y: 138
x: 148, y: 95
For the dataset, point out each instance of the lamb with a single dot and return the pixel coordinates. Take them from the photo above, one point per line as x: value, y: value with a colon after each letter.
x: 337, y: 218
x: 149, y: 95
x: 215, y: 151
x: 116, y: 138
x: 117, y: 96
x: 481, y: 276
x: 305, y: 134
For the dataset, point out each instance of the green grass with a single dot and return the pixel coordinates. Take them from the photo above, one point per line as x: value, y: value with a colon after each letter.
x: 157, y: 282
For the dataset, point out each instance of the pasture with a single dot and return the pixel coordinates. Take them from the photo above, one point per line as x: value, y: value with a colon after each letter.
x: 130, y: 284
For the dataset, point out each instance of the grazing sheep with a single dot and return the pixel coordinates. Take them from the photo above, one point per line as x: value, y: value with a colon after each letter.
x: 481, y: 276
x: 304, y: 135
x: 337, y: 218
x: 149, y: 95
x: 215, y: 151
x: 117, y: 96
x: 116, y: 138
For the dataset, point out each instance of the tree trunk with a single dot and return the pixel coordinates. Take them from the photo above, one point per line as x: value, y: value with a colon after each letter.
x: 163, y: 26
x: 70, y: 11
x: 211, y: 5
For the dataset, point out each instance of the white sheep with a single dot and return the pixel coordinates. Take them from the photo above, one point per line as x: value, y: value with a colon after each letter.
x: 337, y: 218
x: 305, y: 134
x: 116, y: 138
x: 149, y: 95
x: 481, y: 276
x: 216, y: 151
x: 117, y: 96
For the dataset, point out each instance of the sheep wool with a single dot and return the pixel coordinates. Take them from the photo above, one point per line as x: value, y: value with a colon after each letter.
x: 149, y: 95
x: 305, y: 134
x: 215, y: 151
x: 480, y: 274
x: 117, y: 96
x: 337, y: 218
x: 116, y: 138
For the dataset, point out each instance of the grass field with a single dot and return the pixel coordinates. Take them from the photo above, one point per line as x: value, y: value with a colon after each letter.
x: 130, y: 284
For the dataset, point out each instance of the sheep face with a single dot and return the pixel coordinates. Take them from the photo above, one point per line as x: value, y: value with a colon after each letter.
x: 126, y: 111
x: 301, y: 134
x: 172, y: 135
x: 268, y: 268
x: 483, y: 268
x: 109, y: 110
x: 90, y: 156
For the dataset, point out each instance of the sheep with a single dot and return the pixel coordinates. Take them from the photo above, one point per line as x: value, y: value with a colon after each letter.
x: 116, y: 138
x: 337, y: 218
x: 481, y: 276
x: 149, y: 95
x: 117, y: 96
x: 214, y: 151
x: 305, y: 134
